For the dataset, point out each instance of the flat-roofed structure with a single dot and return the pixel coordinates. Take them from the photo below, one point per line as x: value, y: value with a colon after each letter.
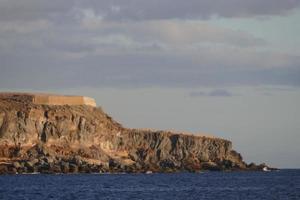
x: 49, y: 99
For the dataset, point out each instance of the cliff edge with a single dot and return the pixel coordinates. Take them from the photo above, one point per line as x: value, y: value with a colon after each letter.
x: 82, y: 138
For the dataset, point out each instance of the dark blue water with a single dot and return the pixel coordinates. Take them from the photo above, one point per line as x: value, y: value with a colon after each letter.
x: 284, y: 184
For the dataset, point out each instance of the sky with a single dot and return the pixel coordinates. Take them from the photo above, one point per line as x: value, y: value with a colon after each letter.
x: 230, y: 68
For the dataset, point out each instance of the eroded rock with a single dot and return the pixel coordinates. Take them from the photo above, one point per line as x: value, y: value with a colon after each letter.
x: 84, y: 139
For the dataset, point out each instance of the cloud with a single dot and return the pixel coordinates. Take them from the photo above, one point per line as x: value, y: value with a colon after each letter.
x: 33, y: 65
x: 57, y: 10
x: 100, y: 44
x: 277, y: 89
x: 220, y: 93
x: 24, y: 27
x: 30, y: 10
x: 171, y: 32
x: 197, y: 94
x: 213, y: 93
x: 174, y: 9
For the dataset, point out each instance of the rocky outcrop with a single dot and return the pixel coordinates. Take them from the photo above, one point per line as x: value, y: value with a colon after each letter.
x: 70, y: 139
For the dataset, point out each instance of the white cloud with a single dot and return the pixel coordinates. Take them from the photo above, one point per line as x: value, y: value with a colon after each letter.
x: 172, y: 32
x: 120, y: 10
x: 167, y: 51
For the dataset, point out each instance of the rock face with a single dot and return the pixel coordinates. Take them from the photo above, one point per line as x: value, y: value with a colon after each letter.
x: 70, y: 139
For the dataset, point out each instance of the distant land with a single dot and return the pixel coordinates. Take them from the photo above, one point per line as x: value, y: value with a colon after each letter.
x: 47, y: 133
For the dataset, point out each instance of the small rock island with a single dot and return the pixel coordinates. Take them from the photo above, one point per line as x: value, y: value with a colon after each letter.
x: 44, y: 133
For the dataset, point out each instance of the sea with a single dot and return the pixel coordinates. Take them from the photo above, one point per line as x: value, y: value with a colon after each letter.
x: 282, y: 184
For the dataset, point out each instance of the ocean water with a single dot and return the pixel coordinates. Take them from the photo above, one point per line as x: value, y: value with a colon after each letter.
x: 284, y: 184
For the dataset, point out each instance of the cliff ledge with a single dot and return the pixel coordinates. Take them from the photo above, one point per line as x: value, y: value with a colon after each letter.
x: 82, y: 138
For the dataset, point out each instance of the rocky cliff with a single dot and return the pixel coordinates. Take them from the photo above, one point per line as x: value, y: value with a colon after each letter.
x: 55, y: 139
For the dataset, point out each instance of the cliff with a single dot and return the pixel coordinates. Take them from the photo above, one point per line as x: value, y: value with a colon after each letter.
x: 56, y: 138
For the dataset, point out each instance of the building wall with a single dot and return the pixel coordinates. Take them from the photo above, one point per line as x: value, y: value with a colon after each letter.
x: 46, y: 99
x: 64, y: 100
x: 40, y: 99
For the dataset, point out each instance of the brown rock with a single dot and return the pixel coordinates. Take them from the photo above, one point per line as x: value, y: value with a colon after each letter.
x: 71, y: 138
x: 3, y: 169
x: 73, y: 168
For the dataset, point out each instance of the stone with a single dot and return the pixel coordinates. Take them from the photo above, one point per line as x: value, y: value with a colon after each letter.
x: 55, y: 168
x: 56, y: 135
x: 210, y: 166
x: 3, y: 169
x: 64, y: 167
x: 73, y: 168
x: 12, y: 170
x: 84, y: 168
x: 17, y: 165
x: 44, y: 168
x: 29, y: 168
x: 29, y: 165
x: 167, y: 164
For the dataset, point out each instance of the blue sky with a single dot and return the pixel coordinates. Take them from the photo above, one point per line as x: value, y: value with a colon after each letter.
x: 230, y: 68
